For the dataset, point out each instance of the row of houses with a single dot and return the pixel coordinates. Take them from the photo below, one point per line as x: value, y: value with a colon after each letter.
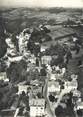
x: 54, y: 86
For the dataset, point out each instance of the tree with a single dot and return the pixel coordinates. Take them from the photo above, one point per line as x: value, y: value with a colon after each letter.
x: 33, y: 74
x: 39, y: 95
x: 48, y: 38
x: 36, y: 35
x: 79, y: 112
x: 36, y: 50
x: 59, y: 111
x: 51, y: 98
x: 69, y: 101
x: 57, y: 49
x: 43, y: 72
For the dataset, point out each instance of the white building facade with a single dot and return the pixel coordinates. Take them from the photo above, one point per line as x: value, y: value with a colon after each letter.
x: 37, y: 107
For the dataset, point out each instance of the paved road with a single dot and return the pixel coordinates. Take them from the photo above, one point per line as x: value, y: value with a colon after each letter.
x: 49, y: 109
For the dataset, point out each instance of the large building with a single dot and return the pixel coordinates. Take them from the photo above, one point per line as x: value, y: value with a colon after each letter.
x: 59, y: 34
x: 22, y: 88
x: 53, y: 86
x: 3, y: 76
x: 73, y: 85
x: 37, y: 107
x: 46, y: 59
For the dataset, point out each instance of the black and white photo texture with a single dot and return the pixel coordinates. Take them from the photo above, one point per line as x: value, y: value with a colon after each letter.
x: 41, y: 58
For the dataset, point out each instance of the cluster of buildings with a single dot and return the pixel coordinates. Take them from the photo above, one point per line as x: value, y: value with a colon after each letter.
x: 54, y: 83
x: 59, y: 87
x: 23, y: 38
x: 37, y: 103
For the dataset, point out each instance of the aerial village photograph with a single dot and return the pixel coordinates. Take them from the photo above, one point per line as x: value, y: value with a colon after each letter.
x: 41, y: 58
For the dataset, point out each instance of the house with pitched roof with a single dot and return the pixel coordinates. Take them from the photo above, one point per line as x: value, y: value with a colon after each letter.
x: 71, y: 85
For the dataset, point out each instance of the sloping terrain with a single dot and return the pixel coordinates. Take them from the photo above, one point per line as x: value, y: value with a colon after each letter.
x: 20, y: 18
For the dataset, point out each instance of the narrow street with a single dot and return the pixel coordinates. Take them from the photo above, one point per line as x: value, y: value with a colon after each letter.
x: 49, y: 108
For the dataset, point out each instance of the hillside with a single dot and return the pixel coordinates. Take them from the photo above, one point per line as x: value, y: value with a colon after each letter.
x: 17, y: 19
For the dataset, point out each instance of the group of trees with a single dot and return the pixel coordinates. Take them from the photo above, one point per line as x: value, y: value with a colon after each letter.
x: 3, y: 46
x: 32, y: 74
x: 34, y: 48
x: 17, y: 71
x: 57, y: 49
x: 7, y: 95
x: 38, y: 36
x: 65, y: 111
x: 35, y: 74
